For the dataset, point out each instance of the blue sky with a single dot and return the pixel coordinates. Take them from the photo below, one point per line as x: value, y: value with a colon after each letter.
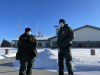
x: 26, y: 13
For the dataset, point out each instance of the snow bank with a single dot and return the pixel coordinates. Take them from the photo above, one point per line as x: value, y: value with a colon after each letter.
x: 88, y: 73
x: 82, y: 60
x: 1, y: 57
x: 46, y: 60
x: 86, y: 63
x: 11, y: 53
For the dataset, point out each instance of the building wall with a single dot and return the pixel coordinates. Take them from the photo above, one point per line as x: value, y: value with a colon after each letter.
x: 87, y: 34
x: 43, y: 44
x: 52, y: 41
x: 84, y: 37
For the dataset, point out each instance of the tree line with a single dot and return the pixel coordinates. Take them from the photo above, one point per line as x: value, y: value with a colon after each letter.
x: 6, y: 43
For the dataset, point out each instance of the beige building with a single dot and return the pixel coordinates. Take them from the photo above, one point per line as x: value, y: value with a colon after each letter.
x: 85, y: 36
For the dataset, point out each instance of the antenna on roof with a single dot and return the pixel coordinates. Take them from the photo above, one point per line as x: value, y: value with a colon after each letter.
x: 37, y: 27
x: 38, y: 33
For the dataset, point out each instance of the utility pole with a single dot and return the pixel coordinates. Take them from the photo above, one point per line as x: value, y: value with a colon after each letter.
x: 38, y: 33
x: 57, y: 28
x: 19, y: 28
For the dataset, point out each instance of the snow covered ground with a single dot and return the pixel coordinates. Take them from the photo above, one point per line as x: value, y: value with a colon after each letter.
x: 83, y: 62
x: 12, y: 52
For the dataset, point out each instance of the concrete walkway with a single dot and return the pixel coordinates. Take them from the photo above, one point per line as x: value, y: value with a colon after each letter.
x: 7, y: 69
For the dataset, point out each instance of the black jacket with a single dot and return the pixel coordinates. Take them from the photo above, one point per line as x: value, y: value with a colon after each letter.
x: 65, y: 36
x: 26, y: 47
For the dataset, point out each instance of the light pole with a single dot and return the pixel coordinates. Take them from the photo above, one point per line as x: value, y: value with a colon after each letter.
x: 57, y: 29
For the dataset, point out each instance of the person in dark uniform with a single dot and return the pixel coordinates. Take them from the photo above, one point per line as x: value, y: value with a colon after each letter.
x: 65, y: 37
x: 26, y: 52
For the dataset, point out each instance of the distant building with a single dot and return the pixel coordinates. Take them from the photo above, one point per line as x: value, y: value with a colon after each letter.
x: 85, y: 36
x: 43, y: 41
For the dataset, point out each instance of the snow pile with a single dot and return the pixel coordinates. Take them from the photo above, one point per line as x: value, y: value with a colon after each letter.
x: 46, y: 59
x: 82, y: 61
x: 1, y: 57
x: 11, y: 53
x: 88, y: 63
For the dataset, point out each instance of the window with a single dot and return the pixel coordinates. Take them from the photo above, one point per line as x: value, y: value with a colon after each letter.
x: 47, y: 44
x: 40, y: 44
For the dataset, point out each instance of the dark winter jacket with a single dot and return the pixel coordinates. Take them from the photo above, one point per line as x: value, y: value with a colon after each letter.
x: 65, y: 36
x: 26, y: 47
